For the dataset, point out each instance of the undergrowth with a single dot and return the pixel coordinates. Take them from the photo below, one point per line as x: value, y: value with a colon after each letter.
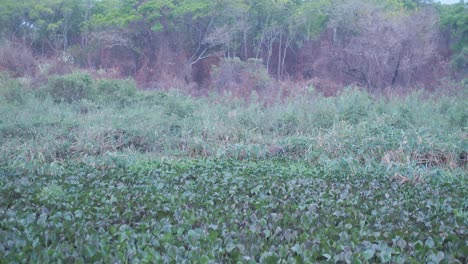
x: 95, y: 170
x: 411, y: 135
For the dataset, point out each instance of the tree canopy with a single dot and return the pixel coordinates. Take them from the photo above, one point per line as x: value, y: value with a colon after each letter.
x: 270, y: 30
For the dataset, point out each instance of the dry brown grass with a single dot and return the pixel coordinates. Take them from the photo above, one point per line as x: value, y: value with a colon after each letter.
x: 17, y: 59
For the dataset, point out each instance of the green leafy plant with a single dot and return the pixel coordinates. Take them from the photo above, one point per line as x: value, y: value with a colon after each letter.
x: 71, y: 88
x: 51, y: 193
x: 11, y: 90
x: 222, y: 211
x: 121, y: 91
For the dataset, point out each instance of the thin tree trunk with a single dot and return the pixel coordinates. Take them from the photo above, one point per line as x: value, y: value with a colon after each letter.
x: 286, y: 47
x: 279, y: 54
x: 395, y: 73
x: 246, y: 55
x: 270, y: 51
x: 229, y: 47
x: 259, y: 48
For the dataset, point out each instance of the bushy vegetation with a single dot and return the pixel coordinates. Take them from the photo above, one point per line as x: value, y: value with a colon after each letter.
x: 11, y: 90
x: 71, y: 88
x: 74, y: 117
x: 95, y: 170
x: 241, y: 78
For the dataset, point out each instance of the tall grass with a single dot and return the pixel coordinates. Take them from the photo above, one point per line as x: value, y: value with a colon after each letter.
x: 410, y: 136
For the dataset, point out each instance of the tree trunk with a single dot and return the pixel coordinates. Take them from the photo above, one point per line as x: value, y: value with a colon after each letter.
x: 286, y: 47
x: 279, y: 54
x: 395, y: 73
x: 246, y: 55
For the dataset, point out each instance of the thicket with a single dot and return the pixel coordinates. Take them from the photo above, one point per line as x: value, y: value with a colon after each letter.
x: 75, y: 117
x: 454, y: 19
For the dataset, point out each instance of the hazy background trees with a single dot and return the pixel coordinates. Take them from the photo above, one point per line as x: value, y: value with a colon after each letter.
x: 376, y: 44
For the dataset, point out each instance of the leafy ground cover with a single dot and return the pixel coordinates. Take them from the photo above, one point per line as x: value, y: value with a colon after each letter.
x: 94, y: 170
x: 226, y: 211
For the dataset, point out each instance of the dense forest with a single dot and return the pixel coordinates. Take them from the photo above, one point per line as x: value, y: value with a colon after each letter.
x: 233, y: 44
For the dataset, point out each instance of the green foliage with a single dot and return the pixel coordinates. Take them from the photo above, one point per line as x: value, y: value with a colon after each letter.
x: 454, y: 18
x: 154, y: 12
x: 122, y: 91
x: 460, y: 60
x: 243, y: 28
x: 164, y: 177
x: 224, y: 211
x: 78, y: 86
x: 310, y: 17
x: 354, y: 105
x: 114, y: 13
x: 11, y: 91
x: 54, y: 21
x: 9, y: 18
x: 71, y: 88
x: 115, y: 118
x: 51, y: 194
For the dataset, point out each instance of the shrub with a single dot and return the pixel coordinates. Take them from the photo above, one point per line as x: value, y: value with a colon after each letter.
x: 241, y: 77
x: 457, y: 114
x: 11, y: 90
x: 297, y: 146
x: 326, y: 87
x: 324, y: 113
x: 50, y: 67
x: 121, y: 91
x: 287, y: 124
x: 17, y: 59
x: 460, y: 61
x: 71, y: 88
x: 353, y: 105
